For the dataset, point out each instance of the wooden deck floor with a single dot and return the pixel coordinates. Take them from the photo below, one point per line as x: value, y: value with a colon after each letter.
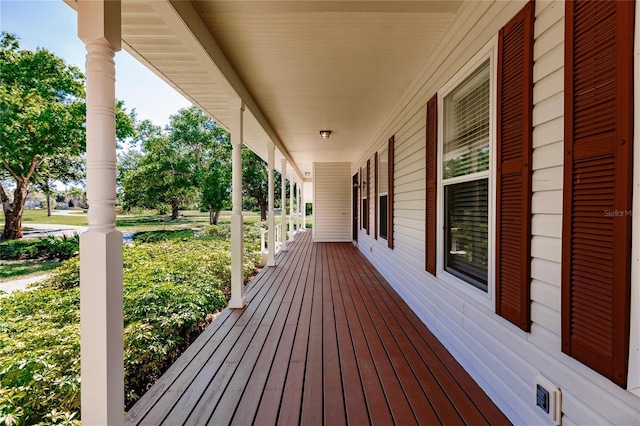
x: 323, y: 339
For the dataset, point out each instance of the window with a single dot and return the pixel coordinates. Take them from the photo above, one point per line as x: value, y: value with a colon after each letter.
x: 365, y: 215
x: 383, y: 190
x: 465, y: 177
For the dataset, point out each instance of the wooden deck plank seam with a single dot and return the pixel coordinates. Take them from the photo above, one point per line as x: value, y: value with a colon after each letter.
x: 385, y: 336
x: 391, y: 385
x: 142, y: 407
x: 376, y: 400
x: 222, y: 329
x: 430, y: 360
x: 291, y: 401
x: 222, y: 413
x: 419, y: 367
x: 270, y: 402
x: 283, y: 312
x: 353, y: 400
x: 334, y: 402
x: 220, y: 380
x: 312, y: 401
x: 474, y: 393
x: 405, y: 371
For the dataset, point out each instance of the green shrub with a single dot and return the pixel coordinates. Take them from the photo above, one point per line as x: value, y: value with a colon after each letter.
x: 60, y: 248
x: 161, y: 321
x: 217, y: 231
x: 67, y: 275
x: 39, y: 356
x: 169, y: 288
x: 163, y: 235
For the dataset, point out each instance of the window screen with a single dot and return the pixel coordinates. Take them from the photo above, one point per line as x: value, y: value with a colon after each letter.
x: 466, y: 239
x: 466, y: 127
x: 383, y: 216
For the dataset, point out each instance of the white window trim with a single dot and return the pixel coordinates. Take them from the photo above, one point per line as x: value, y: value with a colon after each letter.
x: 633, y: 375
x: 489, y: 51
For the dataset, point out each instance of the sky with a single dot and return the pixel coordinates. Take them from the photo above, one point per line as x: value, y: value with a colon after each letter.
x: 52, y: 25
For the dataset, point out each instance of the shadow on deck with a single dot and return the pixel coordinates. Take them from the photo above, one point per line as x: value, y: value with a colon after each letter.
x: 323, y: 339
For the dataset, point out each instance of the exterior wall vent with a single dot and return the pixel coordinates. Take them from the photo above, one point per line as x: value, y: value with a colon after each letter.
x: 548, y: 399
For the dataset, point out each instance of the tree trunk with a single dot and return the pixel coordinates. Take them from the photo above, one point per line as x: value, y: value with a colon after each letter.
x: 48, y: 203
x: 263, y: 209
x: 174, y: 210
x: 13, y: 211
x: 213, y: 215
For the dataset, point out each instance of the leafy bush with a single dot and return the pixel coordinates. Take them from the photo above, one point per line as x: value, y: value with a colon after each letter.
x: 169, y: 289
x: 161, y: 320
x: 223, y: 231
x: 164, y: 235
x: 67, y: 275
x: 60, y: 248
x: 39, y: 356
x: 217, y: 231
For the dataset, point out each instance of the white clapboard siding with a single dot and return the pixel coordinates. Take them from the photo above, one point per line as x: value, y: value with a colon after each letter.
x: 332, y: 202
x: 502, y: 358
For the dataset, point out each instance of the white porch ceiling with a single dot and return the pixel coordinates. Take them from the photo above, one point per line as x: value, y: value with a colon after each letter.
x: 301, y: 66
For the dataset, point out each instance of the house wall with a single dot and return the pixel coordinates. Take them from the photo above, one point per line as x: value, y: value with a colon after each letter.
x: 502, y: 358
x: 332, y: 202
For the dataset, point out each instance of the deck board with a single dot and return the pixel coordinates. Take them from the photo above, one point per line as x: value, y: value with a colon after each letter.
x: 323, y: 339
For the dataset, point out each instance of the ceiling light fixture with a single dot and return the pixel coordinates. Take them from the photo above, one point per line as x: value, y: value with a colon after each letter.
x: 324, y: 134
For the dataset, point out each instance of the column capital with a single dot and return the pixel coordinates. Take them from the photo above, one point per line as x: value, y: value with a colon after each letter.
x: 99, y: 21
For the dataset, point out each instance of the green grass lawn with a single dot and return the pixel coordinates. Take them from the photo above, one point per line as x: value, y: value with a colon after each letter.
x: 146, y: 221
x: 16, y: 269
x: 75, y: 218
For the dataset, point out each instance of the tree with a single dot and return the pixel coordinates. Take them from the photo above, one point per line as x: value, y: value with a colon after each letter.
x: 161, y: 174
x: 42, y: 115
x: 210, y: 145
x: 255, y: 175
x: 65, y: 169
x: 41, y: 122
x: 191, y: 158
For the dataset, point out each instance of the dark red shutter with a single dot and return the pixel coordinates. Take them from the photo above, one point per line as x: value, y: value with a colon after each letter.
x: 390, y: 160
x: 514, y: 136
x: 368, y: 194
x: 360, y: 199
x: 596, y: 237
x: 375, y: 196
x: 432, y: 174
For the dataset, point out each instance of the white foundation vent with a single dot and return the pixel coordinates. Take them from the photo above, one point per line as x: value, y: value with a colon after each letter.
x: 548, y: 399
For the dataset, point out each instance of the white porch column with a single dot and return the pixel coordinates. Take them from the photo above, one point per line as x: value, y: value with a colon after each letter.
x: 237, y: 249
x: 291, y: 211
x: 271, y: 219
x: 101, y: 320
x: 283, y: 203
x: 304, y: 207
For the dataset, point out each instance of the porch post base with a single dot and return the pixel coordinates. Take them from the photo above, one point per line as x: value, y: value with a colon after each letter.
x: 237, y: 302
x: 101, y: 323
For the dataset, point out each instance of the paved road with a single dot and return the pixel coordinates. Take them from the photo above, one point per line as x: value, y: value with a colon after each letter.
x: 42, y: 229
